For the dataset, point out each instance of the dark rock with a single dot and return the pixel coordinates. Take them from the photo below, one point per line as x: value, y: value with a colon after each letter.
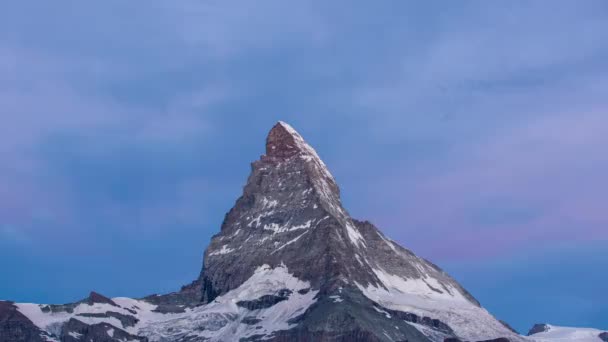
x: 355, y: 319
x: 95, y: 297
x: 265, y: 301
x: 538, y: 328
x: 189, y: 295
x: 603, y: 336
x: 16, y: 327
x: 54, y: 308
x: 77, y: 331
x: 413, y: 318
x: 500, y: 339
x: 250, y: 320
x: 170, y: 308
x: 92, y: 299
x: 303, y: 291
x: 261, y: 303
x: 125, y: 320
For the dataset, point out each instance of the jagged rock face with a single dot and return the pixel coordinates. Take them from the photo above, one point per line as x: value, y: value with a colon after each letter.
x: 290, y: 213
x: 538, y: 328
x: 16, y: 327
x: 77, y: 331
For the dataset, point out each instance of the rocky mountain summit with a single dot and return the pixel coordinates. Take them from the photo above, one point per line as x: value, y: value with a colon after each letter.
x: 289, y: 264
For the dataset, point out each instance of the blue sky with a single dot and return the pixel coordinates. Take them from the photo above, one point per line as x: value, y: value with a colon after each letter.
x: 472, y: 132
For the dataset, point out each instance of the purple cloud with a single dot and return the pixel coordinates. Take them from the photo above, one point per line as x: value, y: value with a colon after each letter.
x: 547, y: 171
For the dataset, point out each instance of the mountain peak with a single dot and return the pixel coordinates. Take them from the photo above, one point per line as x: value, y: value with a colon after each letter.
x: 284, y: 141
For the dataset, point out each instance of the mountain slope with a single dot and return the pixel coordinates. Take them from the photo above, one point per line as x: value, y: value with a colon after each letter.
x: 551, y: 333
x: 289, y: 264
x: 290, y: 214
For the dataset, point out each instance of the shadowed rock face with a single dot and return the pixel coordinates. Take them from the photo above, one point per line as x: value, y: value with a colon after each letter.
x: 604, y: 336
x: 538, y: 328
x: 95, y: 297
x: 265, y: 301
x: 77, y: 331
x: 16, y: 327
x: 125, y: 320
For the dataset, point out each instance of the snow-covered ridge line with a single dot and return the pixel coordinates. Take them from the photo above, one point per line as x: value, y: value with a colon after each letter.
x: 220, y: 320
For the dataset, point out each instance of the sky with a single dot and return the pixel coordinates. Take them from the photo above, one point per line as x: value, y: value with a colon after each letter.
x: 472, y: 132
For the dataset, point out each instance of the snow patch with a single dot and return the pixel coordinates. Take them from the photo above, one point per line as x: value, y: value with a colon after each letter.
x: 224, y: 250
x: 257, y: 219
x: 75, y: 335
x: 269, y: 204
x: 276, y: 228
x: 289, y: 242
x: 383, y: 312
x: 336, y: 299
x: 353, y: 234
x: 469, y: 321
x: 563, y: 334
x: 221, y: 319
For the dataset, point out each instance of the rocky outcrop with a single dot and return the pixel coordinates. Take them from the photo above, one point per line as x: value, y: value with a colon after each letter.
x: 538, y: 328
x: 16, y: 327
x: 125, y: 320
x: 265, y: 301
x: 77, y: 331
x: 604, y: 336
x: 93, y: 298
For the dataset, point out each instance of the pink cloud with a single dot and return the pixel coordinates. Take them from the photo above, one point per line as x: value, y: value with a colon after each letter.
x: 552, y: 168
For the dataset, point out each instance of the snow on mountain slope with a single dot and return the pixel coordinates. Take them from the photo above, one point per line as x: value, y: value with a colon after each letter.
x: 417, y: 296
x: 274, y: 294
x: 567, y: 334
x: 265, y: 303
